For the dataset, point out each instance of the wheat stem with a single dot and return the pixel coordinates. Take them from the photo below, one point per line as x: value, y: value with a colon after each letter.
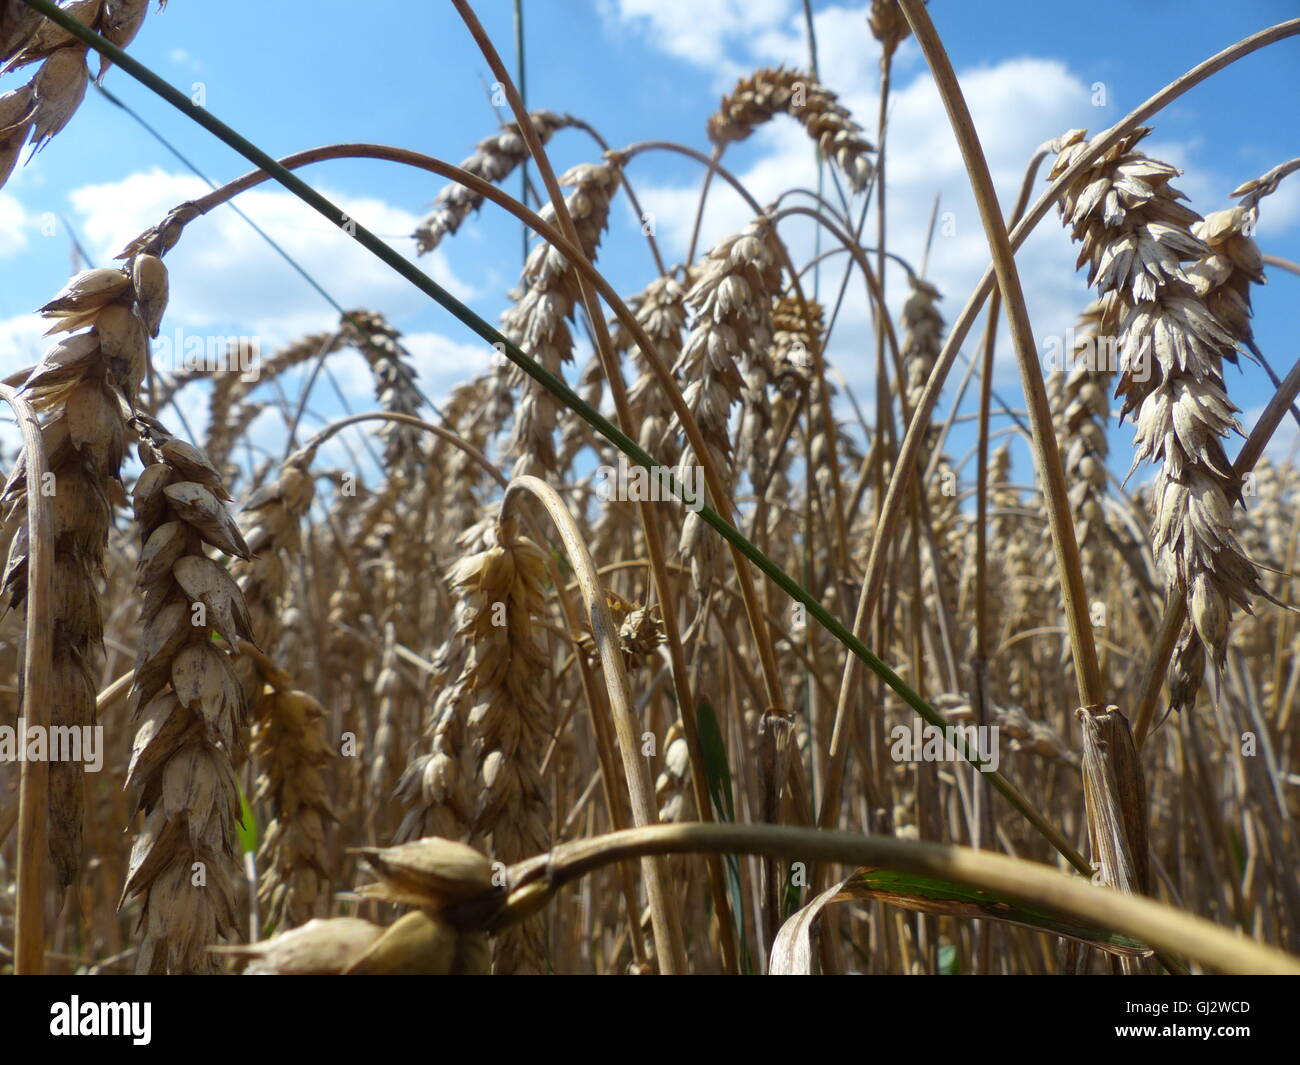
x: 1161, y: 927
x: 667, y: 929
x: 1047, y: 454
x: 38, y: 652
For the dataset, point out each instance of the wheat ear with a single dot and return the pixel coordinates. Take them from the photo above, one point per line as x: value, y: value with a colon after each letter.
x: 39, y: 110
x: 508, y: 722
x: 538, y: 322
x: 731, y: 331
x: 1135, y: 237
x: 495, y: 159
x: 1081, y: 409
x: 288, y: 743
x: 82, y: 387
x: 189, y: 708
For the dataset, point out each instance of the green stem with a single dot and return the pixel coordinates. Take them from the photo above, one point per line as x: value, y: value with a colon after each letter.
x: 1163, y: 928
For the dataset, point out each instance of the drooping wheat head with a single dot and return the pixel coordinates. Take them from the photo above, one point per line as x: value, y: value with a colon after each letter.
x: 39, y: 110
x: 83, y: 388
x: 757, y: 98
x: 1136, y: 237
x: 495, y: 158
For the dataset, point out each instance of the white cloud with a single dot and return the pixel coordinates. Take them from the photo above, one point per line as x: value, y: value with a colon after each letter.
x: 1280, y: 211
x: 14, y: 223
x: 223, y: 273
x: 442, y: 362
x: 21, y: 343
x: 22, y: 340
x: 702, y: 32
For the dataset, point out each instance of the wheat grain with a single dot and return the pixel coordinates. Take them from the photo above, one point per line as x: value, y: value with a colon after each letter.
x: 888, y: 25
x: 660, y: 310
x: 288, y: 743
x: 395, y: 383
x: 43, y: 107
x: 922, y: 341
x: 1081, y: 409
x: 506, y: 722
x: 1032, y: 737
x: 427, y: 873
x: 289, y: 747
x: 81, y: 387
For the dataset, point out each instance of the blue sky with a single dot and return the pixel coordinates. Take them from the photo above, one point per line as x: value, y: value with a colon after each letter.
x: 292, y: 74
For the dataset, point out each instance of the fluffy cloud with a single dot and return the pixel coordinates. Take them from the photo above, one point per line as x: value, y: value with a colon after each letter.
x: 14, y: 224
x: 226, y: 281
x: 705, y: 34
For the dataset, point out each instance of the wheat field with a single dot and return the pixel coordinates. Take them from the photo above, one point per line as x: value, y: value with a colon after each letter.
x: 651, y: 648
